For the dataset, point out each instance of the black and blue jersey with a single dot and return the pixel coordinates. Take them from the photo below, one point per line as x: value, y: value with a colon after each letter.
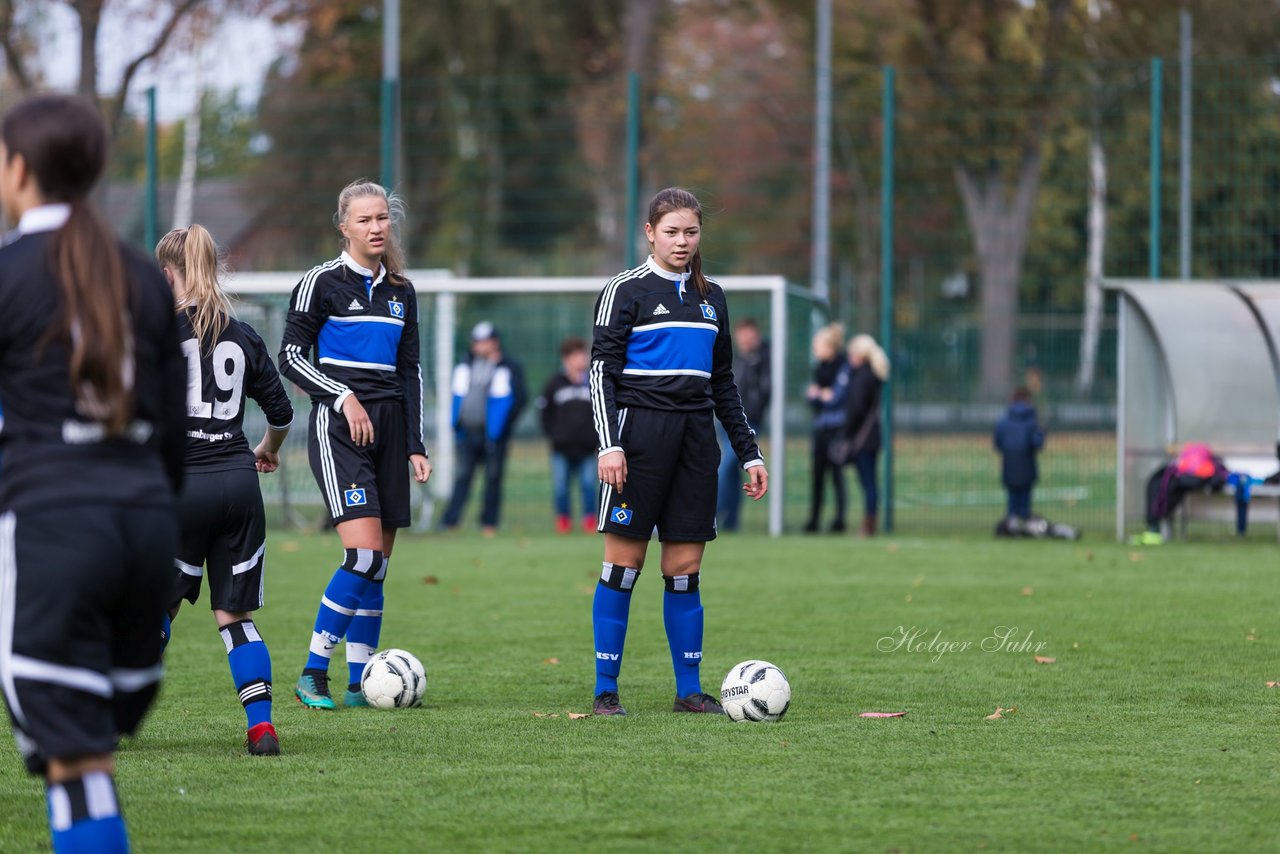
x: 53, y: 452
x: 219, y: 378
x: 350, y: 331
x: 657, y: 344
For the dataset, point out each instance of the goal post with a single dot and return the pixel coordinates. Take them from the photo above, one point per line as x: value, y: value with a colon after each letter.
x: 439, y: 294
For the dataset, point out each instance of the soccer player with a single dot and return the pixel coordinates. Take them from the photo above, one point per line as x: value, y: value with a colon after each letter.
x: 220, y: 508
x: 91, y: 382
x: 661, y: 365
x: 360, y: 315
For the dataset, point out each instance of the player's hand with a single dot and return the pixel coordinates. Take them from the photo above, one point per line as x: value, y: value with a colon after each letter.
x: 613, y: 470
x: 358, y: 421
x: 265, y: 461
x: 421, y: 467
x: 757, y: 483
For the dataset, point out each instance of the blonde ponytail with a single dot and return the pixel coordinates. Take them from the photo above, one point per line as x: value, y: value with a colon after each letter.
x: 192, y: 252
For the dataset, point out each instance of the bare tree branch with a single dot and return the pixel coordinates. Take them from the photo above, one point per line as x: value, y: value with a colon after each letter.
x: 13, y: 56
x: 180, y: 11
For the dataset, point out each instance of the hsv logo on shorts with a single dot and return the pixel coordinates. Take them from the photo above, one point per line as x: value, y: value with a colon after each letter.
x: 708, y: 311
x: 621, y: 515
x: 354, y: 496
x: 397, y: 308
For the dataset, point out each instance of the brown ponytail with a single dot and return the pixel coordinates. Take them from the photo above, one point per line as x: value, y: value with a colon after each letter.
x: 680, y: 199
x: 63, y: 142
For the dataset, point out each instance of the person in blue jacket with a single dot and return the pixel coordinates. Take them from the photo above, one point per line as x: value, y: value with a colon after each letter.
x: 488, y: 395
x: 1019, y: 439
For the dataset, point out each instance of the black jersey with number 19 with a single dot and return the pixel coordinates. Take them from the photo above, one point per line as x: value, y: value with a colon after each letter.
x: 53, y: 454
x: 218, y: 380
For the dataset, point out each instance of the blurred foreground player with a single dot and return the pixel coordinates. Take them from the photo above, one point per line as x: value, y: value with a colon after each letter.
x: 91, y: 382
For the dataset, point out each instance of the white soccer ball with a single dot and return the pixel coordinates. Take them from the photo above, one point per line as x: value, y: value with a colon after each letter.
x: 393, y: 679
x: 755, y: 691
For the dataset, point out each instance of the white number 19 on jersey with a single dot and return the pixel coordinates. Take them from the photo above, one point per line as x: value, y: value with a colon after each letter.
x: 228, y: 375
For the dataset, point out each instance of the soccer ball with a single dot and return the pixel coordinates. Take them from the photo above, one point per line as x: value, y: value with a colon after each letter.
x: 755, y: 691
x: 393, y: 679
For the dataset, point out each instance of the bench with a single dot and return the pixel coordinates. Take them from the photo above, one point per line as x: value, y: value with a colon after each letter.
x: 1220, y: 506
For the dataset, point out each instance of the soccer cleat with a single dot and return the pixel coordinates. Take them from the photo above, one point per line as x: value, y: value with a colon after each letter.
x: 589, y: 524
x: 262, y: 741
x: 312, y: 691
x: 698, y: 703
x: 607, y: 704
x: 1147, y: 538
x: 354, y: 698
x: 563, y: 525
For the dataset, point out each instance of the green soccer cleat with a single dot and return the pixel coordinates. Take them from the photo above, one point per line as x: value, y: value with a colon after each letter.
x: 1147, y: 538
x: 354, y: 698
x: 312, y: 691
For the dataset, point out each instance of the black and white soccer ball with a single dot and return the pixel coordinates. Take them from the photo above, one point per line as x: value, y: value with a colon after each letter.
x: 393, y: 679
x: 755, y: 691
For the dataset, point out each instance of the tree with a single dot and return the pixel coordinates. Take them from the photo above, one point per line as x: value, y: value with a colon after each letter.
x: 164, y: 20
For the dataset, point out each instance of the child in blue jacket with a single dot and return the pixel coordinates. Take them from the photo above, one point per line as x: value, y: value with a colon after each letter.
x: 1018, y: 439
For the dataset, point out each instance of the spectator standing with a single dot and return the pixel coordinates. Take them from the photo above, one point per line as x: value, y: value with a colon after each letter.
x: 751, y: 372
x: 488, y: 396
x: 1019, y: 438
x: 869, y: 370
x: 565, y: 409
x: 828, y: 423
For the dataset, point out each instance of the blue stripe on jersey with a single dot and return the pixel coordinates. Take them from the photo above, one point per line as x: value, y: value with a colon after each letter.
x: 361, y: 342
x: 677, y: 348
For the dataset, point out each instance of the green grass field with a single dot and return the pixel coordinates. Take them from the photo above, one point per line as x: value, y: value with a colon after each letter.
x: 1153, y: 728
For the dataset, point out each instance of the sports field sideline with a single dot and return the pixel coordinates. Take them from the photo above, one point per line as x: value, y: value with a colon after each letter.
x: 1152, y: 726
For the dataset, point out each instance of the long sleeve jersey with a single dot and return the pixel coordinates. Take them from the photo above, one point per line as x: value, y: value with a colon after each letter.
x: 55, y: 453
x: 219, y: 378
x: 364, y: 332
x: 658, y: 345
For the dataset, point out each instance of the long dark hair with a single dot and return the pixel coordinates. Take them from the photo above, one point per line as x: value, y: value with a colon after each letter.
x: 63, y: 142
x: 680, y: 199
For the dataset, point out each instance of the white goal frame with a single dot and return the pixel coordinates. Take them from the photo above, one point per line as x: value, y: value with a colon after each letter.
x: 445, y: 288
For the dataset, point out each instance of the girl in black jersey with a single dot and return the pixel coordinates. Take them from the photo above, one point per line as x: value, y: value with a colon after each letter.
x: 91, y: 382
x: 662, y: 364
x: 220, y: 507
x: 351, y: 341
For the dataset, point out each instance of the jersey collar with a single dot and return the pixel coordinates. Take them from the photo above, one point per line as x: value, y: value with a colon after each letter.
x: 364, y: 271
x: 44, y: 218
x: 667, y: 274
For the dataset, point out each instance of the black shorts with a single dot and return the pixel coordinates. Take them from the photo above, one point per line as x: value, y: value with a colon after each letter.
x: 359, y: 482
x: 672, y: 463
x: 82, y: 592
x: 223, y: 526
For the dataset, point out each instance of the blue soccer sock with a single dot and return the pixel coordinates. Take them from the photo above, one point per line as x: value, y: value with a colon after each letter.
x: 682, y: 616
x: 84, y: 816
x: 339, y: 604
x: 363, y: 635
x: 250, y: 663
x: 166, y: 631
x: 609, y: 614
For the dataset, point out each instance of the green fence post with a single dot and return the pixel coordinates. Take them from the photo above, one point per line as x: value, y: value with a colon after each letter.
x: 1157, y: 86
x: 151, y: 216
x: 886, y: 281
x: 633, y: 165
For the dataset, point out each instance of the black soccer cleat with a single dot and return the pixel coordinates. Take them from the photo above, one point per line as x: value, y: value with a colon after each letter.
x: 607, y: 704
x: 262, y: 741
x: 704, y: 704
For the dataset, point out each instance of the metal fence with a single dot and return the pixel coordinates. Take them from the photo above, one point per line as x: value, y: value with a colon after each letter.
x: 994, y: 170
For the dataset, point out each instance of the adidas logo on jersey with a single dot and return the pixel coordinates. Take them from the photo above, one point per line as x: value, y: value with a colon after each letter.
x: 355, y: 306
x: 661, y: 309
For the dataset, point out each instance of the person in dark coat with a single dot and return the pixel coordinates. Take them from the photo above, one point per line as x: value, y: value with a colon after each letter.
x: 567, y: 420
x: 829, y: 372
x: 1019, y: 439
x: 869, y: 369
